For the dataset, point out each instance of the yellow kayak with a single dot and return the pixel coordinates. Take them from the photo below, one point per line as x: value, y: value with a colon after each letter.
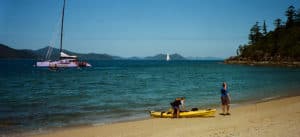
x: 185, y: 114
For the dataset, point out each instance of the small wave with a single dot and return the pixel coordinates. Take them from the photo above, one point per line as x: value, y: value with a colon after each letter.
x: 98, y: 124
x: 270, y: 98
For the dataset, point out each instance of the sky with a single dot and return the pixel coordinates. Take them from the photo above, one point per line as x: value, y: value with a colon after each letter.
x: 126, y: 28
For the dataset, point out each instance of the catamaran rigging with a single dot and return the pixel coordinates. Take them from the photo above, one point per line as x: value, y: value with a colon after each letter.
x: 65, y: 60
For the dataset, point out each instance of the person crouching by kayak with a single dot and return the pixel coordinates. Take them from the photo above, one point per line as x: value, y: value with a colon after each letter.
x: 176, y: 106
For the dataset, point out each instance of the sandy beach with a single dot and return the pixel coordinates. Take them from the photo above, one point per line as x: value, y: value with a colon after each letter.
x: 273, y: 118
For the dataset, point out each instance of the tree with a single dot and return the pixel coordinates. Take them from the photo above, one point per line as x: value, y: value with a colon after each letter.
x: 290, y: 13
x: 239, y: 50
x: 297, y: 18
x: 282, y: 44
x: 277, y: 23
x: 265, y: 28
x: 255, y: 34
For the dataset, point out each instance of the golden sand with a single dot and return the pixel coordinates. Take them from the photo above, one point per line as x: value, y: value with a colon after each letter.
x: 275, y: 118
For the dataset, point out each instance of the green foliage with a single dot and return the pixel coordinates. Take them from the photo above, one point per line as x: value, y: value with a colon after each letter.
x: 255, y: 34
x: 297, y: 18
x: 282, y: 44
x: 277, y: 23
x: 290, y: 13
x: 264, y: 29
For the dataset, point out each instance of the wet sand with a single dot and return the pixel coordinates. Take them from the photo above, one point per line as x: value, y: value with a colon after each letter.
x: 273, y: 118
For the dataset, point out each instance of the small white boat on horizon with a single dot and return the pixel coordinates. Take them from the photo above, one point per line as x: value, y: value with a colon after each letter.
x: 168, y: 57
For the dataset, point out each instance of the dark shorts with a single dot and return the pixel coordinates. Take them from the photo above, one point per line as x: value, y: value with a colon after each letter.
x: 225, y: 100
x: 175, y: 108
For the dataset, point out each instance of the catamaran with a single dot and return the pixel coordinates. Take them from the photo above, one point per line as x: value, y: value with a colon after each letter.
x: 65, y: 60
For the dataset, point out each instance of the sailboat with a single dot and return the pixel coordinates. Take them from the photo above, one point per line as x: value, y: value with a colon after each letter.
x: 168, y: 57
x: 65, y: 60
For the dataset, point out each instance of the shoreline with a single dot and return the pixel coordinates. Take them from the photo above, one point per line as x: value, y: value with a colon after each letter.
x: 112, y: 129
x: 264, y: 63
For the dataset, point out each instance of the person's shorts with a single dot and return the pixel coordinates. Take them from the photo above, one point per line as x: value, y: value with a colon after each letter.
x: 175, y: 108
x: 225, y: 100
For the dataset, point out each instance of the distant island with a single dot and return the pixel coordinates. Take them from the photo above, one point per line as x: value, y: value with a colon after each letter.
x: 7, y: 52
x: 278, y: 47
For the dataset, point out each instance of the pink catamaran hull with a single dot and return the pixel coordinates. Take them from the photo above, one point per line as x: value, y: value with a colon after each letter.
x: 62, y: 64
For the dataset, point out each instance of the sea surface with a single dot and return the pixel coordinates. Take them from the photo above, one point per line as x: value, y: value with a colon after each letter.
x: 34, y: 99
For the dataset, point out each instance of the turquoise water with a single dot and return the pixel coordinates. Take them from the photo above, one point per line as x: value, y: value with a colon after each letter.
x: 111, y: 91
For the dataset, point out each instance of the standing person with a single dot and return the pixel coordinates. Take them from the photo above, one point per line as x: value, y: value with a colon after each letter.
x: 176, y: 106
x: 225, y: 99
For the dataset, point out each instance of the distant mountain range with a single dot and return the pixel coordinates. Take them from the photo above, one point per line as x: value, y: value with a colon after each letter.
x: 204, y: 58
x: 9, y: 53
x: 90, y: 56
x: 164, y: 57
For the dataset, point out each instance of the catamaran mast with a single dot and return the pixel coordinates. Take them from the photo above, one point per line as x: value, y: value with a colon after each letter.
x: 62, y: 26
